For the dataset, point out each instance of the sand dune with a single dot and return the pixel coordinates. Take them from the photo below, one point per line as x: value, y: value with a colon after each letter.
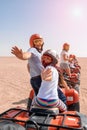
x: 15, y: 86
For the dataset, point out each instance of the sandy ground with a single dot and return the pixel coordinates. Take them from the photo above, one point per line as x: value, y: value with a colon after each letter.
x: 15, y: 86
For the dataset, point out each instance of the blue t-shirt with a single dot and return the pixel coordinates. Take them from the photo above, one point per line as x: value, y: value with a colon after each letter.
x: 35, y: 64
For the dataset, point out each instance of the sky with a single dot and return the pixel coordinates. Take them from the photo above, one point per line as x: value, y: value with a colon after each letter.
x: 58, y: 21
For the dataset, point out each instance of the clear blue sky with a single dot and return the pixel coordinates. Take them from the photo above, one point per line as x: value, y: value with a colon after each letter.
x: 58, y: 21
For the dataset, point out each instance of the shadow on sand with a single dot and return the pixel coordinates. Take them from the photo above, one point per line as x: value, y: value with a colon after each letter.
x: 23, y: 101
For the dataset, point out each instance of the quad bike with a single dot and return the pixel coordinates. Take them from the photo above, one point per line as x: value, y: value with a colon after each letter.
x: 74, y: 80
x: 72, y: 99
x: 72, y: 95
x: 45, y: 119
x: 42, y: 119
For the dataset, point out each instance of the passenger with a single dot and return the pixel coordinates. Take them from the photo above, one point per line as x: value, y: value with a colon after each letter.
x: 47, y: 95
x: 64, y: 59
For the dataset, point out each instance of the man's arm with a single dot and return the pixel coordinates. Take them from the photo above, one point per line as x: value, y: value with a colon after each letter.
x: 20, y: 54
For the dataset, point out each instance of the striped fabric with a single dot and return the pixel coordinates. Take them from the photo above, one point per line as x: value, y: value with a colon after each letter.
x: 50, y: 103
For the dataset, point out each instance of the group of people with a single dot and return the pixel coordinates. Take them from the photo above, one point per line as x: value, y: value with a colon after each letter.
x: 44, y: 75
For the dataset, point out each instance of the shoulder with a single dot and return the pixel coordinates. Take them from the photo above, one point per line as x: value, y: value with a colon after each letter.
x: 52, y: 68
x: 64, y: 52
x: 33, y: 51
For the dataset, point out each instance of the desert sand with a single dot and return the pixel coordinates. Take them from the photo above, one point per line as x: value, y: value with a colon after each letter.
x: 15, y: 85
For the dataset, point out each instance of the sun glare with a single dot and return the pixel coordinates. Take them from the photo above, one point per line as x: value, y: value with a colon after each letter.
x: 77, y: 12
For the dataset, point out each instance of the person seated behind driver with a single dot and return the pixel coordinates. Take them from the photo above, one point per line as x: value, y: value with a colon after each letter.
x: 64, y: 59
x: 48, y: 95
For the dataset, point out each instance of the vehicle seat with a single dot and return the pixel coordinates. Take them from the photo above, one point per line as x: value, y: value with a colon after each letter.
x: 51, y: 111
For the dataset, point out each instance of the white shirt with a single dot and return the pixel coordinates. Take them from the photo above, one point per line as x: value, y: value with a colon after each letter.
x: 62, y: 58
x: 48, y: 89
x: 35, y: 64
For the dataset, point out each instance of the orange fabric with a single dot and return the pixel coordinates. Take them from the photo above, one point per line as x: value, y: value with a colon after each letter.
x: 69, y: 121
x: 72, y: 96
x: 33, y: 37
